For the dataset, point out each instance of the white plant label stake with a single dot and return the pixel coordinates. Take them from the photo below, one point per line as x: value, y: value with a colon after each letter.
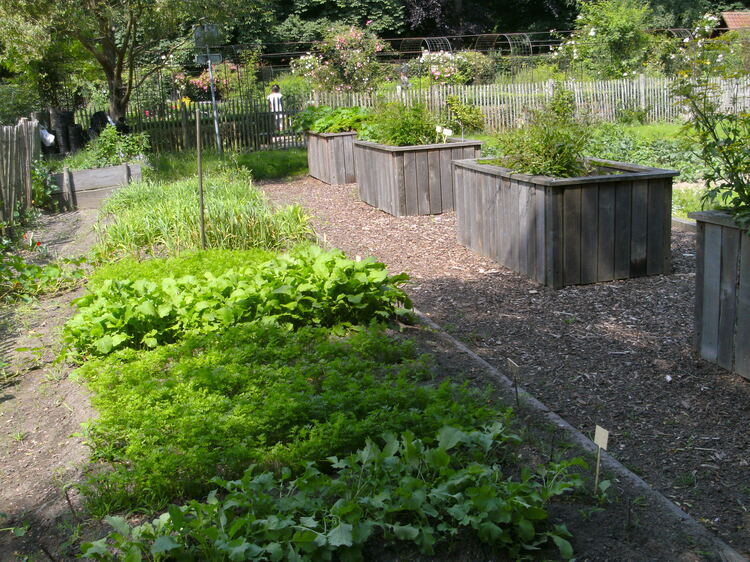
x: 601, y: 436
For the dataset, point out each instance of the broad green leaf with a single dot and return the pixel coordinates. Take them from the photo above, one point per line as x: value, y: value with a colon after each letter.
x: 526, y: 529
x: 405, y: 532
x: 565, y: 548
x: 340, y: 535
x: 449, y: 437
x: 119, y: 524
x: 164, y: 543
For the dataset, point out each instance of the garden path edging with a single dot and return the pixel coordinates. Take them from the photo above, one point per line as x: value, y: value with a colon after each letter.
x: 725, y: 552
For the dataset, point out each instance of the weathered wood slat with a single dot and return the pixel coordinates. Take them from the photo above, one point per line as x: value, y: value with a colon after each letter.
x: 709, y: 345
x: 433, y: 183
x: 572, y: 236
x: 589, y: 234
x: 623, y: 227
x: 730, y: 255
x: 742, y: 332
x: 639, y: 229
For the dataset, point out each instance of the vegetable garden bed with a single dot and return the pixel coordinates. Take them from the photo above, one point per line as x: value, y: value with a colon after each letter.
x: 409, y: 180
x: 612, y: 225
x: 330, y: 157
x: 86, y: 189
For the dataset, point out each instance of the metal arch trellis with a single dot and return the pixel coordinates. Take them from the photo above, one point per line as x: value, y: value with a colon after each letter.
x: 420, y: 44
x: 518, y: 43
x: 486, y: 42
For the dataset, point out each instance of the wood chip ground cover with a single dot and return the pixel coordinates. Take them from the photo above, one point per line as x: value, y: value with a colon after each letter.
x: 615, y: 354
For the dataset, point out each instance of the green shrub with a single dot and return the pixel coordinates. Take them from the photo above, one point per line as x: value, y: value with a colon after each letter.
x: 464, y: 117
x: 552, y: 144
x: 110, y: 148
x: 399, y: 125
x: 306, y: 287
x: 406, y: 491
x: 154, y: 217
x: 171, y: 418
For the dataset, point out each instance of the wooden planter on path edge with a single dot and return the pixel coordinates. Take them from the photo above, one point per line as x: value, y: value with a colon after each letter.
x: 569, y: 231
x: 87, y: 189
x: 722, y: 292
x: 409, y: 180
x: 330, y: 157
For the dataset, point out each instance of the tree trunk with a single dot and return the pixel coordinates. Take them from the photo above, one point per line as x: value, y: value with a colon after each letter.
x: 118, y: 98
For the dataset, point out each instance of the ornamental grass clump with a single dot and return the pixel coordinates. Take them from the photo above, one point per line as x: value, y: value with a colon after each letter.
x: 156, y: 217
x: 552, y: 144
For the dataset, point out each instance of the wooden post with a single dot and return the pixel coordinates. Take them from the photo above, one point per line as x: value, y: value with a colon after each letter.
x: 200, y: 174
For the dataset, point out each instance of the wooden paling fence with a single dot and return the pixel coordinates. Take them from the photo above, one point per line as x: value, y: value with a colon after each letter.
x: 20, y: 146
x: 243, y: 125
x: 508, y: 105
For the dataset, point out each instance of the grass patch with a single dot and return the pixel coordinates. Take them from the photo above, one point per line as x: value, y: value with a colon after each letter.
x: 268, y: 164
x: 172, y: 418
x: 686, y: 200
x: 153, y: 217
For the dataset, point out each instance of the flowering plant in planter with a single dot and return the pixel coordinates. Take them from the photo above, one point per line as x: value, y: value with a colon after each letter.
x: 717, y: 123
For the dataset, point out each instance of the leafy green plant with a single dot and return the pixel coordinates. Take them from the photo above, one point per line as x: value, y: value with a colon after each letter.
x: 463, y: 116
x: 153, y: 217
x: 171, y: 418
x: 552, y: 144
x: 305, y: 287
x: 42, y: 187
x: 20, y: 279
x: 403, y: 491
x: 719, y: 126
x: 400, y: 125
x: 325, y: 119
x: 110, y: 148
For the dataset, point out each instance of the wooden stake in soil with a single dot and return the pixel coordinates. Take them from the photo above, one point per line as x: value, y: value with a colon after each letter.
x: 514, y: 370
x: 601, y: 436
x: 200, y: 173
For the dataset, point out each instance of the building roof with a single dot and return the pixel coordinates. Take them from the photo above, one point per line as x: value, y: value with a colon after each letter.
x: 736, y: 20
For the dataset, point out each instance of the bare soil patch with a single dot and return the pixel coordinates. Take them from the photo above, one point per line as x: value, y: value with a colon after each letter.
x: 616, y: 354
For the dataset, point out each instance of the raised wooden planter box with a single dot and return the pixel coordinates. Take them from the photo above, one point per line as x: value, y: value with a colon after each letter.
x: 330, y: 157
x: 87, y: 189
x: 722, y: 292
x: 571, y: 231
x: 409, y: 180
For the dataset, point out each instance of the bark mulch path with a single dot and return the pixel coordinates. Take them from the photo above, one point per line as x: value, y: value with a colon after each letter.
x: 616, y: 354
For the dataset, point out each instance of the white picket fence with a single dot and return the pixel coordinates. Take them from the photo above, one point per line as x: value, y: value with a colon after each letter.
x: 20, y: 146
x: 509, y: 105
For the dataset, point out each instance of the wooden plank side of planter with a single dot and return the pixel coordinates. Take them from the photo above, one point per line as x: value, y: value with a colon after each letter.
x: 572, y: 235
x: 434, y: 189
x: 399, y: 180
x: 493, y: 184
x: 540, y: 227
x: 505, y: 239
x: 730, y: 249
x: 700, y: 241
x: 410, y: 183
x: 447, y: 182
x: 312, y: 156
x: 514, y: 189
x: 589, y: 233
x: 742, y: 331
x: 639, y: 229
x: 458, y: 174
x: 523, y: 193
x: 605, y: 259
x: 623, y: 195
x: 423, y: 188
x: 362, y: 181
x: 350, y: 173
x: 553, y: 218
x: 337, y: 160
x: 709, y: 342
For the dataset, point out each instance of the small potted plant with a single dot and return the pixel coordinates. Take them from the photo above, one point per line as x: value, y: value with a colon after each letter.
x: 721, y: 127
x: 403, y: 161
x: 330, y: 134
x: 545, y: 211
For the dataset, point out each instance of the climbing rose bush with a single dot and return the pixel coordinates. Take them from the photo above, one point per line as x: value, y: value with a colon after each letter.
x: 346, y: 60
